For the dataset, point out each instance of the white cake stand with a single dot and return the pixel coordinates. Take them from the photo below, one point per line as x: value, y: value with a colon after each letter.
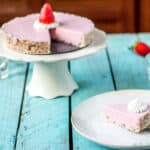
x: 51, y: 77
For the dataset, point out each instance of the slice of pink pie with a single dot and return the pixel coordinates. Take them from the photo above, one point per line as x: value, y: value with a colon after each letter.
x: 120, y: 115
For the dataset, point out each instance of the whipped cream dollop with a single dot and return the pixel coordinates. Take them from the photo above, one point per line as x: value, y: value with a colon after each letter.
x: 137, y: 106
x: 38, y: 25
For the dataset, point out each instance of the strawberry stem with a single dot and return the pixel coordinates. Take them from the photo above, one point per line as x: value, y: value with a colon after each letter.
x: 131, y: 48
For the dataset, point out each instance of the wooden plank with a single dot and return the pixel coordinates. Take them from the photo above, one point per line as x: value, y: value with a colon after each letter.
x: 144, y: 37
x: 143, y: 16
x: 129, y: 68
x: 11, y: 90
x: 44, y: 124
x: 93, y: 76
x: 15, y: 8
x: 116, y: 18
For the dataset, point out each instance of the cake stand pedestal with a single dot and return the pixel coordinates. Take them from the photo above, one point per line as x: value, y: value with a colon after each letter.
x: 50, y: 80
x: 51, y: 77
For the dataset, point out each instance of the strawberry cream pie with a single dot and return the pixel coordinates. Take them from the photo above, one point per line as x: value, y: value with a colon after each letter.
x: 134, y: 116
x: 32, y: 34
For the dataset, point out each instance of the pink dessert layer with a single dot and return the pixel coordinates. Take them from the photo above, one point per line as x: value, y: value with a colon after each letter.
x: 120, y: 114
x: 71, y: 28
x: 22, y: 28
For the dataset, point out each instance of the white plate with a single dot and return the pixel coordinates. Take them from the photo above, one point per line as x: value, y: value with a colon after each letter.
x: 89, y: 121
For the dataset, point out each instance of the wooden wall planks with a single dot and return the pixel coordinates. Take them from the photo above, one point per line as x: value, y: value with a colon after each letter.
x: 112, y: 18
x: 143, y: 16
x: 11, y: 91
x: 13, y: 8
x: 107, y: 16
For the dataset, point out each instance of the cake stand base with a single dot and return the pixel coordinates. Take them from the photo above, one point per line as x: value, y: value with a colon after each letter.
x: 50, y: 80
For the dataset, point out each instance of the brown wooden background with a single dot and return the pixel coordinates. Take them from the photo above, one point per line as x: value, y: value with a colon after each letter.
x: 109, y: 15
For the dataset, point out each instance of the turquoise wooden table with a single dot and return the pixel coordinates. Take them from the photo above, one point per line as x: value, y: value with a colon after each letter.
x: 28, y: 123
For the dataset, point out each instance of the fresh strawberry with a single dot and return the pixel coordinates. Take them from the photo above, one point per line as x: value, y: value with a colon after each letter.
x: 141, y: 48
x: 46, y: 14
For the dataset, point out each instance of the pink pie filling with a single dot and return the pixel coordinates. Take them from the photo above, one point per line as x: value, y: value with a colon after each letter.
x: 71, y: 28
x: 120, y: 114
x: 22, y: 28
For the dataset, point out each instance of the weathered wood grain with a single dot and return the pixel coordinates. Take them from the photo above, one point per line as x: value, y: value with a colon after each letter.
x: 11, y: 90
x: 93, y: 76
x: 144, y: 37
x: 44, y: 124
x: 129, y: 69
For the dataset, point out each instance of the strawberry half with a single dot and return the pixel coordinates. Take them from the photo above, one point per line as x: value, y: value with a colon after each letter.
x: 141, y: 48
x: 46, y: 14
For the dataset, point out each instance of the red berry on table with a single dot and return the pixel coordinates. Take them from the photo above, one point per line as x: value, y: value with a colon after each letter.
x: 141, y: 48
x: 46, y: 14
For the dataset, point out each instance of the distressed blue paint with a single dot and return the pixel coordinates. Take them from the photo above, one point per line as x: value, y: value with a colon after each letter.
x: 129, y: 68
x: 93, y: 76
x: 11, y: 90
x: 44, y: 124
x: 144, y: 37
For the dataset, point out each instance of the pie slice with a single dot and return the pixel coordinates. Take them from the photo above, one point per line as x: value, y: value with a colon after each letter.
x: 120, y: 115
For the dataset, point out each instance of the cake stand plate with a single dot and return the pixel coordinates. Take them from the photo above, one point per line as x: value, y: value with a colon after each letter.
x: 51, y: 77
